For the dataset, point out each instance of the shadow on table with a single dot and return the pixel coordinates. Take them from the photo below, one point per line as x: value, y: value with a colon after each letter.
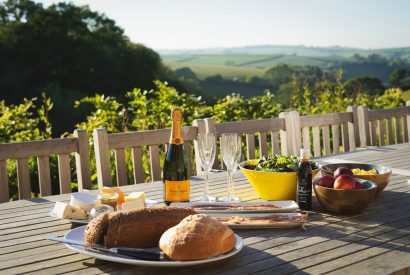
x: 385, y: 224
x: 242, y: 263
x: 40, y: 200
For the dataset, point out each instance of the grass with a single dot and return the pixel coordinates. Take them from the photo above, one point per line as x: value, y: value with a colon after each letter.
x: 228, y: 72
x: 406, y: 95
x: 240, y: 66
x: 218, y: 60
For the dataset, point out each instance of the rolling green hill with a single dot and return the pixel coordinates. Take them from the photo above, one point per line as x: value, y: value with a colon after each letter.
x: 270, y: 50
x: 236, y: 65
x: 406, y: 95
x: 228, y: 61
x: 240, y: 66
x: 206, y: 69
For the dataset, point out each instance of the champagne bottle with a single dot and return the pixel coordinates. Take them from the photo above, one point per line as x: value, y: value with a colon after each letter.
x: 304, y: 189
x: 176, y: 167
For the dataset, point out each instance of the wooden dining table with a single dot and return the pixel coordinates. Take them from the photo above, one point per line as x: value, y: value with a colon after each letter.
x: 376, y: 241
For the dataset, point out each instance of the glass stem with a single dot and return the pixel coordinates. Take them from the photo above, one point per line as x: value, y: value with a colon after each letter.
x: 206, y: 184
x: 232, y: 185
x: 230, y: 182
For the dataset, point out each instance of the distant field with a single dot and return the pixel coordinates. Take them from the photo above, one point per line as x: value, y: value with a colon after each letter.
x: 230, y: 66
x: 228, y: 72
x: 219, y: 60
x: 259, y: 61
x: 235, y: 65
x: 406, y: 95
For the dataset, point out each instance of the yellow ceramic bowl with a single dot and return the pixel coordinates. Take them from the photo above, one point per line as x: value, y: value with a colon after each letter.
x: 271, y: 186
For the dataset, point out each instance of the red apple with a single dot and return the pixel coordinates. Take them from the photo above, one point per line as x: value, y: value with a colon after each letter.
x: 326, y: 181
x: 358, y: 185
x: 342, y: 171
x: 344, y: 182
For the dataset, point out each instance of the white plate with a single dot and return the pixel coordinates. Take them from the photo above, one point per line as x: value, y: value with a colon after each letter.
x: 288, y: 224
x: 77, y: 234
x: 148, y: 202
x: 284, y: 206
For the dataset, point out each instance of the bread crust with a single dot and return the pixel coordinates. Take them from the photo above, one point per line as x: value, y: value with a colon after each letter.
x: 143, y: 227
x: 95, y: 231
x: 111, y: 238
x: 197, y: 237
x: 134, y: 228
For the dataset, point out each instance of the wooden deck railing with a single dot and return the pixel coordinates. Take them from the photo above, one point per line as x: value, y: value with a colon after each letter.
x: 262, y: 129
x: 329, y: 133
x: 42, y: 149
x: 385, y: 126
x: 136, y: 141
x: 323, y: 134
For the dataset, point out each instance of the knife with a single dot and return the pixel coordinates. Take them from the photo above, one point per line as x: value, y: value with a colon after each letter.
x: 137, y: 253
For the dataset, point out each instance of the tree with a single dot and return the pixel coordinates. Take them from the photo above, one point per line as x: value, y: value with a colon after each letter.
x: 364, y: 84
x: 376, y: 58
x: 283, y: 73
x: 68, y: 52
x: 185, y: 73
x: 73, y: 46
x: 397, y: 77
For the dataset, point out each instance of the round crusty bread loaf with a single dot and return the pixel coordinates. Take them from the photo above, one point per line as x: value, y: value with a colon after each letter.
x: 197, y: 237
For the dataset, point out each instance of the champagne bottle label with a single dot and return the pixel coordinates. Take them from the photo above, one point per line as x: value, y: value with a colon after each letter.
x: 176, y: 190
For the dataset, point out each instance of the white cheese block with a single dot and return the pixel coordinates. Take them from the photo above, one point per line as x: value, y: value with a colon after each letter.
x: 64, y: 211
x: 83, y: 201
x: 132, y: 205
x: 134, y: 196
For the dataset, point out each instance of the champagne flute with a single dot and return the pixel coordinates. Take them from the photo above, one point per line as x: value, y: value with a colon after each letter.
x: 207, y: 151
x: 231, y: 154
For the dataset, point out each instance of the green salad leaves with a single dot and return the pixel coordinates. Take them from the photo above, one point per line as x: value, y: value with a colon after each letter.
x: 278, y: 163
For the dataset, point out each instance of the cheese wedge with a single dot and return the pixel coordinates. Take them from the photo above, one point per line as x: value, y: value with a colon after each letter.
x: 83, y: 201
x: 134, y: 200
x: 115, y: 190
x: 135, y: 196
x: 64, y: 211
x: 132, y: 205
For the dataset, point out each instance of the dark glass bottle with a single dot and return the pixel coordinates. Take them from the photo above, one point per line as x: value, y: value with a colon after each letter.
x: 176, y: 167
x: 304, y: 189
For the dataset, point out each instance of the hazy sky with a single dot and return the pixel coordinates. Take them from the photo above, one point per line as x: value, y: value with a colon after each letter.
x: 176, y: 24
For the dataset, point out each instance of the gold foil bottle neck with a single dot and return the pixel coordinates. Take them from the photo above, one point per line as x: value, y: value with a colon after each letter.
x: 176, y: 114
x: 176, y: 131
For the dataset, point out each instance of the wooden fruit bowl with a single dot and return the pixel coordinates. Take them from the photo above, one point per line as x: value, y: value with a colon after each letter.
x: 381, y: 179
x: 345, y: 201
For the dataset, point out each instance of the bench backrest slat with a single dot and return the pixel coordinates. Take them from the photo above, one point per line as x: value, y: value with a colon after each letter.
x: 155, y: 162
x: 121, y: 167
x: 275, y: 142
x: 336, y: 138
x: 64, y: 173
x: 316, y: 141
x: 346, y: 137
x: 138, y: 169
x: 250, y: 148
x: 405, y: 129
x: 23, y: 177
x: 43, y: 164
x: 41, y: 150
x: 4, y: 182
